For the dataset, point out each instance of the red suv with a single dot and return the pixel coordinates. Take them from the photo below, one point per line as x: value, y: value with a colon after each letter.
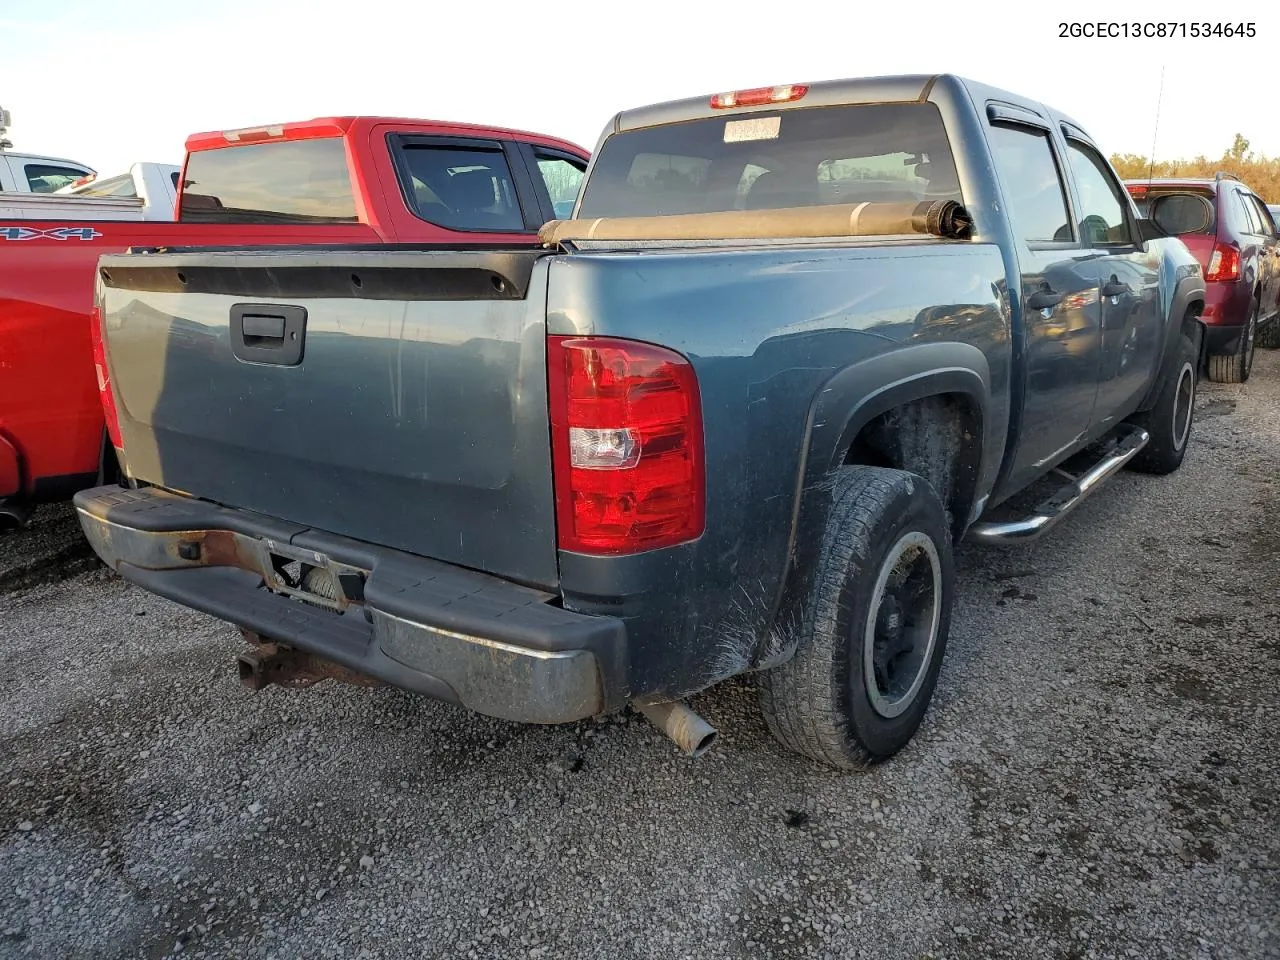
x: 1232, y: 233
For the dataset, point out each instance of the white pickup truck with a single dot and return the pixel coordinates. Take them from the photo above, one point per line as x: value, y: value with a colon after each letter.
x: 148, y: 191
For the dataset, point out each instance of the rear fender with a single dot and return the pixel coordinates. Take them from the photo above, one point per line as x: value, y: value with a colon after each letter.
x: 854, y: 397
x: 1190, y: 289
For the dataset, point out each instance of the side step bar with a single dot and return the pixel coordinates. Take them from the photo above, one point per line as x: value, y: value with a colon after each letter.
x: 1047, y: 515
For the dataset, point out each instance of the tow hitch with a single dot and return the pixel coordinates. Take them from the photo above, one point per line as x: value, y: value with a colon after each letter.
x: 267, y: 662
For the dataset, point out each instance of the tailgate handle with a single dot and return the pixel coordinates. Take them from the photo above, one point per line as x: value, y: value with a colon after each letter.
x: 258, y: 327
x: 268, y: 333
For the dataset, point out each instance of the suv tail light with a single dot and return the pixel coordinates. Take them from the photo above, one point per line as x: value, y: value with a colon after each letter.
x: 105, y: 393
x: 1224, y: 264
x: 626, y: 423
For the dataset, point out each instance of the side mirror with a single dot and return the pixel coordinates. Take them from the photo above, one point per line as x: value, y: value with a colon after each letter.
x: 1150, y: 230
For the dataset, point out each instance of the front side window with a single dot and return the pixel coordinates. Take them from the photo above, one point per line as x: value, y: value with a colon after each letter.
x: 563, y: 180
x: 1032, y: 186
x: 46, y: 178
x: 799, y: 157
x: 1102, y: 216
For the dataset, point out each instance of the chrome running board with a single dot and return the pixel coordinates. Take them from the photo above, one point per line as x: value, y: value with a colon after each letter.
x: 1066, y: 499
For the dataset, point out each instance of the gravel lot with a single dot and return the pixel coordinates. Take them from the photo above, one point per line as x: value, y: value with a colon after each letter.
x: 1098, y: 776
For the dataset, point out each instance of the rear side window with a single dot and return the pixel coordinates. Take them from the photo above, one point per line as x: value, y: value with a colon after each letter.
x: 46, y: 178
x: 1032, y: 185
x: 793, y: 158
x: 1264, y: 214
x: 1252, y: 220
x: 462, y: 188
x: 1179, y: 213
x: 289, y: 181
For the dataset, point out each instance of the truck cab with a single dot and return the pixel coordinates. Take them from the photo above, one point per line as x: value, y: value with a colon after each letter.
x: 31, y: 173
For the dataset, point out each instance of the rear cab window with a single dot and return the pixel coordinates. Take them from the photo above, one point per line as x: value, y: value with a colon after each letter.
x: 799, y: 157
x: 286, y: 181
x: 1180, y: 212
x: 121, y: 186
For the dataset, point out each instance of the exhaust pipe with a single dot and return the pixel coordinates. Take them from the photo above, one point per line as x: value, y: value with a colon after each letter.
x: 693, y: 735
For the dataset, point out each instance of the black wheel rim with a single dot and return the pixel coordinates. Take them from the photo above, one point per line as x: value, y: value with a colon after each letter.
x: 1183, y: 403
x: 901, y: 630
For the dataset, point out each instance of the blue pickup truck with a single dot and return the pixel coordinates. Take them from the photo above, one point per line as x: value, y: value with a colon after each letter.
x: 732, y: 415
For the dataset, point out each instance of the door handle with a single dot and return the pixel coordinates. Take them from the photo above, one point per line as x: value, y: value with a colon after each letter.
x: 268, y: 333
x: 257, y: 327
x: 1115, y: 288
x: 1044, y: 298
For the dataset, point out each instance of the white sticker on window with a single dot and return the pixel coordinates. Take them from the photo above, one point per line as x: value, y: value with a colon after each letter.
x: 753, y: 128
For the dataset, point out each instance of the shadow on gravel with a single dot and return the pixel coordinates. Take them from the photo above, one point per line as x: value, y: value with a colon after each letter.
x: 51, y: 547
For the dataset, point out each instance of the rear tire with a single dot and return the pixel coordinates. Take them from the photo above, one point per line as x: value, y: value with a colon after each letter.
x: 1169, y: 421
x: 1236, y: 367
x: 873, y: 629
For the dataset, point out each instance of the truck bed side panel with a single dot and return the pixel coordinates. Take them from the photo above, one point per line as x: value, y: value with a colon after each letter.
x: 766, y: 329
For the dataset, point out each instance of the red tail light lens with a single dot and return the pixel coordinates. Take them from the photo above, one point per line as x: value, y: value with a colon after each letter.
x: 1224, y: 264
x: 626, y: 423
x: 104, y: 379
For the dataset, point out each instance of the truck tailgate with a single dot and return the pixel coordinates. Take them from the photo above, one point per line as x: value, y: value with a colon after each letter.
x: 398, y: 398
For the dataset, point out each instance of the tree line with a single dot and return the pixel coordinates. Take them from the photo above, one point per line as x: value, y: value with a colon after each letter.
x: 1260, y: 174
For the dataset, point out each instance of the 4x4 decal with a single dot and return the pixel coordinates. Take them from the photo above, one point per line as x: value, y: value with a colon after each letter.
x: 50, y: 233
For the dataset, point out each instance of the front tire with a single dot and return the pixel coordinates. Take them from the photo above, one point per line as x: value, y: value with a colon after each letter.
x: 1169, y: 421
x: 873, y: 629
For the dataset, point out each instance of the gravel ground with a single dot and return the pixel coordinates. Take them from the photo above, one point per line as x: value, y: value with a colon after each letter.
x: 1098, y: 776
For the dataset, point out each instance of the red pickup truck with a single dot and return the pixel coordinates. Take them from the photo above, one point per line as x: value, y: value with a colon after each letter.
x: 337, y: 180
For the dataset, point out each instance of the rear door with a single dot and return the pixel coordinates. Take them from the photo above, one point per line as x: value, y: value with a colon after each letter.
x: 1059, y: 297
x: 1132, y: 315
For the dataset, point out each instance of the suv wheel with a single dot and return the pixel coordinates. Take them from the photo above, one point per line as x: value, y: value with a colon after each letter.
x: 1236, y: 367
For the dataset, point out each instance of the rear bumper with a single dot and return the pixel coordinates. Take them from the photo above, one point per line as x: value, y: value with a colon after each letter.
x: 478, y: 641
x: 1226, y: 304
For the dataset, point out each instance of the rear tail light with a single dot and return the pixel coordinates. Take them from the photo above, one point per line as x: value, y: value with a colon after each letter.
x: 626, y: 422
x: 105, y: 394
x: 1224, y: 264
x: 758, y: 96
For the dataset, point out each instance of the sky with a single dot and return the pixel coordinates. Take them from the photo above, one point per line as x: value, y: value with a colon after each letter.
x: 112, y: 84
